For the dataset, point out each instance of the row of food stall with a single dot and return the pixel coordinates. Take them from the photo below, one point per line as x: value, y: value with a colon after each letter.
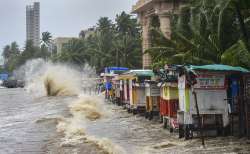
x: 214, y: 98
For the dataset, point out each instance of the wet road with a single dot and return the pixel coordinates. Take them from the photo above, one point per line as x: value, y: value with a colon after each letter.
x: 28, y: 126
x: 19, y: 131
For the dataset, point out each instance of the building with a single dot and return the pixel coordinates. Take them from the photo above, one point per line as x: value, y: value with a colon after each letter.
x: 59, y: 42
x: 146, y: 10
x: 33, y: 23
x: 86, y: 33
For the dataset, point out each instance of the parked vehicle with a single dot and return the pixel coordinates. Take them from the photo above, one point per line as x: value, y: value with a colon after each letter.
x: 10, y: 83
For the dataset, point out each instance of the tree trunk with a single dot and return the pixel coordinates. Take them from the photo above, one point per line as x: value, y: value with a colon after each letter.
x: 241, y: 20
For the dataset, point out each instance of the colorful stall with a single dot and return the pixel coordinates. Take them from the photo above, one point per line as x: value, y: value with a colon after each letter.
x: 108, y: 77
x: 134, y: 89
x: 169, y: 105
x: 125, y: 95
x: 152, y: 99
x: 169, y: 98
x: 210, y: 90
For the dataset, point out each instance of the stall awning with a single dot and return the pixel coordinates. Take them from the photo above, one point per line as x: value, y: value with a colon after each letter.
x: 142, y: 73
x: 115, y: 70
x: 219, y: 67
x: 126, y: 77
x: 133, y: 74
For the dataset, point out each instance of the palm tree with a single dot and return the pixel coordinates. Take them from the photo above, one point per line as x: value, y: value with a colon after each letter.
x: 45, y: 45
x: 74, y: 52
x: 46, y: 38
x: 207, y: 31
x: 6, y: 52
x: 127, y: 42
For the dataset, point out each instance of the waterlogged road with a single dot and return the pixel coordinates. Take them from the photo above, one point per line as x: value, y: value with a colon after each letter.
x: 20, y: 130
x: 29, y: 126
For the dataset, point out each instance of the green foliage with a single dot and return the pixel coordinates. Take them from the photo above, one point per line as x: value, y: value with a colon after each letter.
x: 10, y: 55
x: 237, y: 55
x: 6, y: 52
x: 206, y: 31
x: 73, y: 52
x: 14, y: 58
x: 127, y: 41
x: 1, y: 69
x: 112, y: 44
x: 46, y: 39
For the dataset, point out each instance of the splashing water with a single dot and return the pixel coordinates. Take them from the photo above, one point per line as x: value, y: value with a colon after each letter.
x: 106, y: 145
x: 53, y: 79
x: 85, y: 108
x: 49, y: 79
x: 60, y: 80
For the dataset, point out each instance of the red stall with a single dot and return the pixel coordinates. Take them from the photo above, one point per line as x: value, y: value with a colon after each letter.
x: 169, y: 105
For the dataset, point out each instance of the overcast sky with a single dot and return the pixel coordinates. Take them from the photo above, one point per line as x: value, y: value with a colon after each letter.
x: 60, y: 17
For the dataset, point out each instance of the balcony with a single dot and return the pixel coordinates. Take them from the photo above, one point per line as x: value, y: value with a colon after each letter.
x: 141, y: 5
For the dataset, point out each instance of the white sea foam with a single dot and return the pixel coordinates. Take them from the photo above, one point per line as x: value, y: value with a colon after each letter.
x: 54, y: 79
x: 86, y: 108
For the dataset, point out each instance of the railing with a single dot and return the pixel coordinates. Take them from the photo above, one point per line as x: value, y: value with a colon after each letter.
x: 140, y: 4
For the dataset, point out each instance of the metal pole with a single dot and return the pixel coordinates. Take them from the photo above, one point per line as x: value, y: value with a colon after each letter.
x: 199, y: 118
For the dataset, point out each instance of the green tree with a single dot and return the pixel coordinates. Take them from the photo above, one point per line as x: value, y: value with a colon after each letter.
x: 45, y: 45
x: 74, y: 52
x: 206, y: 31
x: 30, y: 52
x: 127, y: 42
x: 101, y: 47
x: 10, y: 54
x: 111, y: 44
x: 14, y: 48
x: 6, y: 52
x: 46, y: 39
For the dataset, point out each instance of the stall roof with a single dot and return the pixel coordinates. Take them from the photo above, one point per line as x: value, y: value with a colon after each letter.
x: 219, y: 67
x: 115, y: 69
x: 107, y: 75
x: 141, y: 73
x: 136, y: 73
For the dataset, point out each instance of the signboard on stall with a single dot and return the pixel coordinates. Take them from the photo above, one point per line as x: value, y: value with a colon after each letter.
x: 210, y: 81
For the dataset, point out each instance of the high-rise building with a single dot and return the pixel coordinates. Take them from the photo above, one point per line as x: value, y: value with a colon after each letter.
x: 33, y: 23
